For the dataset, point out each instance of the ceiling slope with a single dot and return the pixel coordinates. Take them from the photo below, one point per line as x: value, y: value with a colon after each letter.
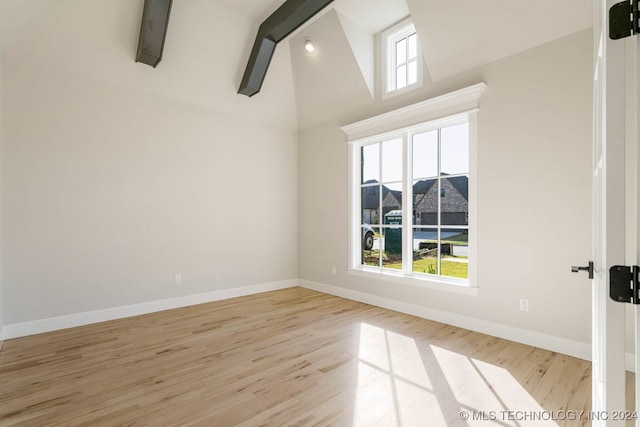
x: 362, y: 46
x: 329, y: 82
x: 254, y: 10
x: 292, y: 15
x: 461, y: 35
x: 373, y: 16
x: 19, y: 17
x: 204, y: 68
x: 202, y: 63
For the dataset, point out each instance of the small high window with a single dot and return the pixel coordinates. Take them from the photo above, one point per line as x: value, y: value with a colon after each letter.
x: 401, y: 59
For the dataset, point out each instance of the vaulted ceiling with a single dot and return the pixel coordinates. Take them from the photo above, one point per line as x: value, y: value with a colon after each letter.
x: 208, y: 43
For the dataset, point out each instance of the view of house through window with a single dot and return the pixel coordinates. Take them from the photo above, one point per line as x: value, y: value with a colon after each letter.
x: 437, y: 164
x: 382, y: 198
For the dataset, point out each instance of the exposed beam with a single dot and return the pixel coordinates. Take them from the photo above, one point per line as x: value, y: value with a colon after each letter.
x: 286, y: 19
x: 153, y: 31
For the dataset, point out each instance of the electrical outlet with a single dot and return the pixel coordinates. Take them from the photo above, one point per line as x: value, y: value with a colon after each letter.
x: 333, y: 271
x: 524, y: 305
x: 177, y: 279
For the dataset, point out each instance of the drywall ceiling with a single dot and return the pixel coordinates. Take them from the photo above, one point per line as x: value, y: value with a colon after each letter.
x: 208, y: 44
x: 201, y: 66
x: 457, y: 36
x: 251, y: 9
x: 373, y: 16
x: 19, y: 17
x: 329, y: 81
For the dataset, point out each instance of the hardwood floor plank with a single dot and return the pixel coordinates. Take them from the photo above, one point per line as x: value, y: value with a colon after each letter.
x: 291, y: 357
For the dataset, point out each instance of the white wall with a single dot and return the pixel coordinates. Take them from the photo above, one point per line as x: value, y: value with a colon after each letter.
x: 1, y: 198
x: 110, y: 192
x: 119, y: 176
x: 534, y: 197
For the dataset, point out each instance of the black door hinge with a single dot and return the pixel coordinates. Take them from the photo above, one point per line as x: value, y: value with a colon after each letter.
x: 623, y: 284
x: 623, y: 19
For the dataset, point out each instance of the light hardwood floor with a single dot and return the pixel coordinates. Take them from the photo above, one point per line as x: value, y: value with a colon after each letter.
x: 289, y: 357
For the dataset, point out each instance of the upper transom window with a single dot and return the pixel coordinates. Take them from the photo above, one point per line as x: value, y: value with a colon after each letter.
x: 401, y: 59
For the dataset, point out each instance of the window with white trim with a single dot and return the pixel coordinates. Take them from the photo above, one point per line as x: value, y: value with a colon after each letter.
x: 437, y: 163
x: 412, y: 191
x: 401, y: 59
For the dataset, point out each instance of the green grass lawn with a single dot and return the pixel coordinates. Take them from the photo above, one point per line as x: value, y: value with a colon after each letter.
x: 428, y: 265
x: 448, y: 268
x: 458, y: 238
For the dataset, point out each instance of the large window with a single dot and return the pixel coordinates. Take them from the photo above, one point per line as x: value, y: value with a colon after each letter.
x: 438, y: 197
x: 413, y: 192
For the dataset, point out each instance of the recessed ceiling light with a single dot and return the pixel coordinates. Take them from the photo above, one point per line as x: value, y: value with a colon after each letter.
x: 309, y: 46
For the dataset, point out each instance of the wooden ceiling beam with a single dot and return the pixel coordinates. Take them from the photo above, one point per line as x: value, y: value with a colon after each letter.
x: 286, y: 19
x: 153, y: 31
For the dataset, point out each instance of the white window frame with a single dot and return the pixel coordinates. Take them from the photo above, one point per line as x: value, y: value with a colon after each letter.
x: 446, y: 110
x: 388, y: 39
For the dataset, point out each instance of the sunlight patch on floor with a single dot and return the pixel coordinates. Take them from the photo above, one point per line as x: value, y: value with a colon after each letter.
x: 488, y: 391
x: 393, y: 386
x: 400, y: 384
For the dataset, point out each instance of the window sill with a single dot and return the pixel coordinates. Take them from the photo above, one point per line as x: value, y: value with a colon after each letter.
x: 389, y: 94
x: 440, y: 284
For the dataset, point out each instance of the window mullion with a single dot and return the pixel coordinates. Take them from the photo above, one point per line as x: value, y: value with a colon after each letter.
x: 438, y: 213
x: 393, y: 68
x: 356, y: 205
x: 407, y: 206
x: 380, y: 208
x: 406, y: 68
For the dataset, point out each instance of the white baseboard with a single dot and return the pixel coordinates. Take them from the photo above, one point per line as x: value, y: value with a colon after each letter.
x: 80, y: 319
x: 548, y: 342
x: 630, y: 362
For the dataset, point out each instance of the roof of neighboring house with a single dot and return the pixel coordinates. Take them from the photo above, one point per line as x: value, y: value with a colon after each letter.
x: 423, y: 186
x: 372, y: 195
x: 461, y: 183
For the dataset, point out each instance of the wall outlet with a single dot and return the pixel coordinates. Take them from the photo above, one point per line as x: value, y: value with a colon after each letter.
x: 524, y: 305
x: 177, y: 279
x: 333, y: 271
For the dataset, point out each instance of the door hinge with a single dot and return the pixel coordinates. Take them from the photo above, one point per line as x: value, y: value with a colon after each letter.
x: 623, y: 19
x: 623, y: 284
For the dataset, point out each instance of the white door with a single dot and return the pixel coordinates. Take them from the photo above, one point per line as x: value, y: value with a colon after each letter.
x: 633, y: 196
x: 633, y: 182
x: 608, y: 219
